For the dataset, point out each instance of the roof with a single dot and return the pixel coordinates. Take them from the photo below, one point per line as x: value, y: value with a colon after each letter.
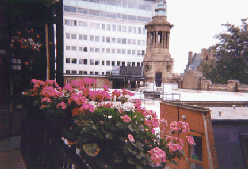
x: 159, y: 20
x: 229, y: 113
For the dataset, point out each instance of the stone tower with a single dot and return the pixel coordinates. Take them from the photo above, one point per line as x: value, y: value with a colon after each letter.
x: 158, y: 64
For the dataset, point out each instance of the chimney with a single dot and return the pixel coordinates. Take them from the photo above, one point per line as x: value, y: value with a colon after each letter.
x: 190, y: 59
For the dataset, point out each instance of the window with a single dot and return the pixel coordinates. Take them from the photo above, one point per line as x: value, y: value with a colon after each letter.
x: 85, y: 24
x: 133, y: 41
x: 81, y: 61
x: 108, y: 27
x: 68, y: 60
x: 67, y: 35
x: 96, y: 73
x: 113, y: 50
x: 91, y: 49
x: 73, y: 36
x: 92, y: 25
x: 143, y: 42
x: 108, y: 50
x: 92, y: 38
x: 119, y: 28
x: 195, y: 153
x: 124, y: 40
x: 118, y: 63
x: 129, y: 29
x: 129, y: 51
x: 103, y: 26
x: 118, y: 40
x: 91, y: 73
x: 97, y: 39
x: 124, y: 28
x: 103, y: 38
x: 103, y: 62
x: 138, y: 52
x: 80, y: 37
x: 143, y: 31
x: 80, y: 23
x: 85, y: 49
x: 113, y: 63
x: 129, y: 41
x: 67, y: 22
x: 73, y: 71
x: 134, y: 29
x: 141, y: 63
x: 67, y: 47
x: 123, y: 63
x: 113, y: 27
x: 97, y: 50
x: 102, y: 73
x: 91, y: 61
x: 103, y: 50
x: 74, y: 60
x: 123, y: 51
x: 133, y: 52
x: 80, y: 48
x: 74, y: 48
x: 84, y: 37
x: 67, y: 71
x: 118, y: 51
x: 128, y: 63
x: 108, y: 39
x: 85, y: 72
x: 113, y: 40
x: 80, y: 72
x: 133, y: 63
x: 143, y: 52
x: 97, y: 26
x: 139, y: 42
x: 108, y: 63
x: 124, y: 17
x: 118, y: 16
x: 73, y: 23
x: 139, y: 30
x: 138, y: 64
x: 97, y: 62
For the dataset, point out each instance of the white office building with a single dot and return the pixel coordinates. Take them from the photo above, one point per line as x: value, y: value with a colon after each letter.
x: 102, y: 35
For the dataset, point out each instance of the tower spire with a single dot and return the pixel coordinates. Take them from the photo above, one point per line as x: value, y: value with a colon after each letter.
x: 161, y: 9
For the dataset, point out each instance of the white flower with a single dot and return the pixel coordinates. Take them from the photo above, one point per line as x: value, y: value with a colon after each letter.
x: 128, y: 106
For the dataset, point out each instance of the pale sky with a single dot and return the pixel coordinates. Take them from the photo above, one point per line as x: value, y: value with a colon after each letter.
x: 196, y: 22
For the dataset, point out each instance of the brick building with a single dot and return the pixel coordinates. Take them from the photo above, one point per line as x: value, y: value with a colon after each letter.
x: 203, y: 154
x: 158, y: 64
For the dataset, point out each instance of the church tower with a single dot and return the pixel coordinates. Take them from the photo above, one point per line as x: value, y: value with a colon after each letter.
x: 158, y: 64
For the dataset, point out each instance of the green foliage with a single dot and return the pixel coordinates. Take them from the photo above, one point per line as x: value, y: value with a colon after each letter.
x: 232, y: 54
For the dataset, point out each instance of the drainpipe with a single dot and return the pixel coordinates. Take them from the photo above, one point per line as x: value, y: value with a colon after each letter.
x: 210, y: 162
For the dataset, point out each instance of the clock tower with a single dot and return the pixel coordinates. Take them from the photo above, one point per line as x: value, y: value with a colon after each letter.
x: 158, y: 64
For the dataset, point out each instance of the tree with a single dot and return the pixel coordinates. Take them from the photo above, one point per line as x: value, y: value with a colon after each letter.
x: 231, y: 55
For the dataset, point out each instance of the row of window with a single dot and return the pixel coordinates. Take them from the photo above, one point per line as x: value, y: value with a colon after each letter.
x: 106, y: 14
x: 107, y: 27
x: 108, y: 50
x: 103, y: 62
x: 105, y: 39
x: 145, y: 5
x: 81, y: 72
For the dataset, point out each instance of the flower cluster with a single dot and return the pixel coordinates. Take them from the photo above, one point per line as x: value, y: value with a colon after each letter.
x: 98, y: 118
x: 158, y: 156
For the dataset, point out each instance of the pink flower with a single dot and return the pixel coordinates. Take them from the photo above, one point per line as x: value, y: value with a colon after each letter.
x: 190, y: 140
x: 106, y: 88
x: 61, y: 105
x: 87, y: 106
x: 158, y: 156
x: 131, y: 139
x: 184, y: 126
x: 126, y: 118
x: 45, y: 99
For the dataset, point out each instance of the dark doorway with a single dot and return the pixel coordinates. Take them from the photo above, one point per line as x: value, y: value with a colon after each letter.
x: 133, y: 84
x: 117, y: 84
x: 158, y: 79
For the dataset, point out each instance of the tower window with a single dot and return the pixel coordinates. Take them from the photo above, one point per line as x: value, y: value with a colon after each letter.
x: 160, y: 39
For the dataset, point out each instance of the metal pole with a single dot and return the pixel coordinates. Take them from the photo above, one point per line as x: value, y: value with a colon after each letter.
x: 47, y: 53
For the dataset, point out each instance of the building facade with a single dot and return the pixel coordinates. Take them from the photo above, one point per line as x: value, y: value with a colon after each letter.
x: 102, y: 35
x: 158, y: 64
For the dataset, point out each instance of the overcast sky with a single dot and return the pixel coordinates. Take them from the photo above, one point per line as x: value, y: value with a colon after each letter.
x: 196, y: 22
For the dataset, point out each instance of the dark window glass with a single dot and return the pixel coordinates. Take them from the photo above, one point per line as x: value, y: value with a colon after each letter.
x: 131, y: 18
x: 195, y: 151
x: 67, y: 71
x: 123, y: 63
x: 133, y: 63
x: 94, y: 12
x: 124, y: 17
x: 73, y: 71
x: 85, y: 72
x: 85, y: 49
x: 113, y: 63
x: 69, y: 9
x: 83, y: 10
x: 85, y: 62
x: 73, y: 60
x: 67, y: 60
x: 110, y: 15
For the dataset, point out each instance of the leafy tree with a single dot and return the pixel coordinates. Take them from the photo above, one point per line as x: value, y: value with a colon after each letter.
x: 231, y: 55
